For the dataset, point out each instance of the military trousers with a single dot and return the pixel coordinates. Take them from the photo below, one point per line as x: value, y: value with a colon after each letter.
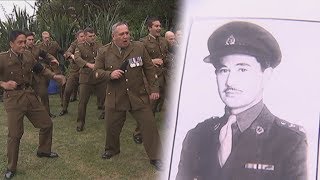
x: 156, y: 105
x: 151, y: 139
x: 71, y: 84
x: 84, y: 95
x: 20, y: 103
x: 41, y: 88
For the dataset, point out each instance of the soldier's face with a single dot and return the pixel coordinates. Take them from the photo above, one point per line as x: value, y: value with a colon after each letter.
x: 155, y: 29
x: 81, y: 37
x: 121, y: 36
x: 90, y: 37
x: 46, y: 38
x: 241, y: 81
x: 19, y: 44
x: 171, y: 39
x: 30, y: 41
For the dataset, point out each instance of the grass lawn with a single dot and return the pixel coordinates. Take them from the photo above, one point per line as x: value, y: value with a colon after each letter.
x: 80, y: 153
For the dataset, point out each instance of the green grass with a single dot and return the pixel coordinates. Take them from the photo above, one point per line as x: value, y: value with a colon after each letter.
x: 80, y: 153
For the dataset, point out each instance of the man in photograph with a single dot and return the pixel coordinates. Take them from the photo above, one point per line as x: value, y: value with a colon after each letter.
x: 248, y: 141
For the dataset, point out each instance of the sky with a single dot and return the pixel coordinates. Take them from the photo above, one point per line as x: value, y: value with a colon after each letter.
x: 6, y: 7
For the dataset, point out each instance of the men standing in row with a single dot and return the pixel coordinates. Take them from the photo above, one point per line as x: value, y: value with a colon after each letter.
x: 85, y: 56
x: 73, y: 76
x: 46, y: 59
x: 17, y: 67
x: 122, y: 64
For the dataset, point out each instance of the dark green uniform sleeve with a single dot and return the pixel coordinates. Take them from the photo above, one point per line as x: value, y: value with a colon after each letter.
x: 296, y: 165
x: 78, y: 59
x: 99, y: 66
x: 185, y: 170
x: 150, y: 72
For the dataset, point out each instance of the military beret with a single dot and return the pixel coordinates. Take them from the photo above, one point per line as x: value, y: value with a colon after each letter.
x: 239, y: 37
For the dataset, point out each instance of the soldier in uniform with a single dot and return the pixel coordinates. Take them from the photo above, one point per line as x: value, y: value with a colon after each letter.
x: 53, y: 48
x: 73, y: 76
x: 157, y: 48
x: 248, y: 142
x: 17, y: 67
x: 46, y: 59
x: 122, y: 63
x: 85, y: 56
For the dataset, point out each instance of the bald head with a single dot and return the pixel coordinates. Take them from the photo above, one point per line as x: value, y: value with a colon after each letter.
x: 170, y: 37
x: 45, y: 36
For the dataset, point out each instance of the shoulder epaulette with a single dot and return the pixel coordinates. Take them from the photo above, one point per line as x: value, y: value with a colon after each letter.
x: 291, y: 126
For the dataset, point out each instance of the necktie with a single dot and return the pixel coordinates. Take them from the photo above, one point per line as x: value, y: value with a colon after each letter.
x: 225, y: 139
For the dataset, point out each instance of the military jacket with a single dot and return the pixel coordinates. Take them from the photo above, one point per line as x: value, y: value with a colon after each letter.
x: 52, y: 48
x: 270, y: 149
x: 41, y: 55
x: 11, y: 68
x: 157, y: 48
x: 129, y: 92
x: 73, y: 67
x: 86, y: 53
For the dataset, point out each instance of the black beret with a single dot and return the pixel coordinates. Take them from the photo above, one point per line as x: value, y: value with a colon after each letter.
x: 240, y: 37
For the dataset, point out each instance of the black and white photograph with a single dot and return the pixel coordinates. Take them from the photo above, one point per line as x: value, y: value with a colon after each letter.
x: 247, y: 102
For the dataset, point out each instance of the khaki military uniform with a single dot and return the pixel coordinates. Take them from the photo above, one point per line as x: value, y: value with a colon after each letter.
x: 86, y: 53
x: 129, y: 93
x: 54, y: 49
x: 72, y: 83
x: 21, y: 102
x: 158, y: 48
x: 42, y: 83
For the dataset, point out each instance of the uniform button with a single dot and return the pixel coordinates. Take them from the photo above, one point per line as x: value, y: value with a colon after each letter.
x: 111, y: 66
x: 127, y: 80
x: 126, y: 71
x: 22, y: 75
x: 11, y: 72
x: 127, y: 89
x: 109, y: 92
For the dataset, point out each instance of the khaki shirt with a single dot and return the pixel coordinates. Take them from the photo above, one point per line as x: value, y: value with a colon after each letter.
x: 86, y: 53
x: 129, y: 92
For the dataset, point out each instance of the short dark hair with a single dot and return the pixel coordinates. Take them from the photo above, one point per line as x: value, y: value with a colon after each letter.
x: 14, y: 34
x: 79, y: 32
x: 151, y: 20
x: 29, y: 33
x: 88, y: 30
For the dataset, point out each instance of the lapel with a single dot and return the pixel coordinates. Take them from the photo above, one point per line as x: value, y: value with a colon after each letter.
x: 249, y: 148
x: 127, y: 51
x: 115, y: 51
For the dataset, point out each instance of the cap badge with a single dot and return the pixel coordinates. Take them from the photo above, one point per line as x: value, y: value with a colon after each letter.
x: 231, y: 40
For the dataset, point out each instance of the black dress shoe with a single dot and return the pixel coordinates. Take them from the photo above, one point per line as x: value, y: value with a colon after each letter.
x: 157, y: 164
x: 48, y: 155
x: 79, y: 129
x: 108, y: 154
x: 9, y: 174
x: 52, y: 115
x: 137, y: 138
x: 63, y: 112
